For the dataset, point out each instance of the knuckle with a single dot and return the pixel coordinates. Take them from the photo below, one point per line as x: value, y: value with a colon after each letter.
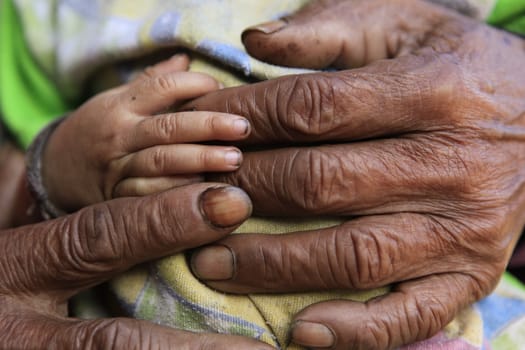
x: 114, y: 107
x: 308, y: 106
x: 322, y: 185
x: 302, y: 195
x: 108, y: 334
x: 91, y: 242
x: 272, y: 263
x: 158, y: 159
x: 352, y: 257
x: 149, y: 72
x: 483, y: 283
x: 367, y: 263
x: 108, y: 101
x: 213, y: 123
x: 431, y: 310
x: 371, y: 336
x: 163, y: 84
x: 451, y: 93
x: 433, y: 83
x: 477, y: 236
x: 487, y: 237
x: 167, y: 127
x: 461, y: 170
x: 166, y: 228
x: 439, y: 164
x: 206, y: 158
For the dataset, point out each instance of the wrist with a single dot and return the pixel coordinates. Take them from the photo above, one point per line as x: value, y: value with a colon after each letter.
x: 34, y: 165
x: 15, y: 200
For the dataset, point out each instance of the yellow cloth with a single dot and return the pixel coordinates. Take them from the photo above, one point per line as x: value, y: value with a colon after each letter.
x: 157, y: 289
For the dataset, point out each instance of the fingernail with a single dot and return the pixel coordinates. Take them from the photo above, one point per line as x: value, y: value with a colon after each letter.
x: 268, y: 27
x: 312, y: 334
x: 233, y: 158
x: 178, y: 56
x: 225, y: 206
x: 214, y: 263
x: 241, y: 127
x: 221, y: 86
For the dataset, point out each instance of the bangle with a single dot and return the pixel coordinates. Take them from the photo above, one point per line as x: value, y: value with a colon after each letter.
x: 34, y: 172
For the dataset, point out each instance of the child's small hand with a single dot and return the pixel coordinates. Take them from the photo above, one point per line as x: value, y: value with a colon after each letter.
x: 117, y: 143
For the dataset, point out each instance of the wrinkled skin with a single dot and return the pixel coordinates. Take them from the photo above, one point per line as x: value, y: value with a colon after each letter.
x: 420, y: 139
x: 426, y: 153
x: 43, y: 265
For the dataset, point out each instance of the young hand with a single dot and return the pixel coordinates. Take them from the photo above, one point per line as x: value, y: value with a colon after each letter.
x: 121, y: 143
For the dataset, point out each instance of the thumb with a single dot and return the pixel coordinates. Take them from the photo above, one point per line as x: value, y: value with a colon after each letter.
x: 343, y: 34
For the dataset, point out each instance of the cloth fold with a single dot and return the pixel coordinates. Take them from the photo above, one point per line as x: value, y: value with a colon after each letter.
x: 73, y: 40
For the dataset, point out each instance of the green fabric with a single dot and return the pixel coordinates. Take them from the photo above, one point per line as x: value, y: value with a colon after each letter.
x: 509, y: 15
x: 28, y: 98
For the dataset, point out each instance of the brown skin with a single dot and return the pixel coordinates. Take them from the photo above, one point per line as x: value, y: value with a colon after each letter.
x: 43, y: 265
x: 16, y: 203
x: 425, y: 149
x: 437, y: 189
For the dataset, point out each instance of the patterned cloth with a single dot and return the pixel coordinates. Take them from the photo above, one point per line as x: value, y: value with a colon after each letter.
x: 72, y: 39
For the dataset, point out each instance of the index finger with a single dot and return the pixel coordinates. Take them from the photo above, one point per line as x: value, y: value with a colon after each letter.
x: 75, y: 252
x: 411, y: 93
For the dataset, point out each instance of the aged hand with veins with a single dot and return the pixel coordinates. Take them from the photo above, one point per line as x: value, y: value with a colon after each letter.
x: 420, y: 139
x: 43, y: 265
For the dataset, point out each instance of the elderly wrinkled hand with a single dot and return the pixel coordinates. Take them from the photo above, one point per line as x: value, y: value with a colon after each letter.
x: 421, y: 144
x: 43, y: 265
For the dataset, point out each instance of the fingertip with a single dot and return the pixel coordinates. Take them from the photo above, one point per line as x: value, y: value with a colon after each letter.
x: 293, y: 44
x: 312, y: 335
x: 257, y: 45
x: 242, y: 127
x: 180, y: 56
x: 180, y: 61
x: 213, y: 263
x: 225, y: 206
x: 233, y: 158
x: 260, y: 42
x: 263, y: 28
